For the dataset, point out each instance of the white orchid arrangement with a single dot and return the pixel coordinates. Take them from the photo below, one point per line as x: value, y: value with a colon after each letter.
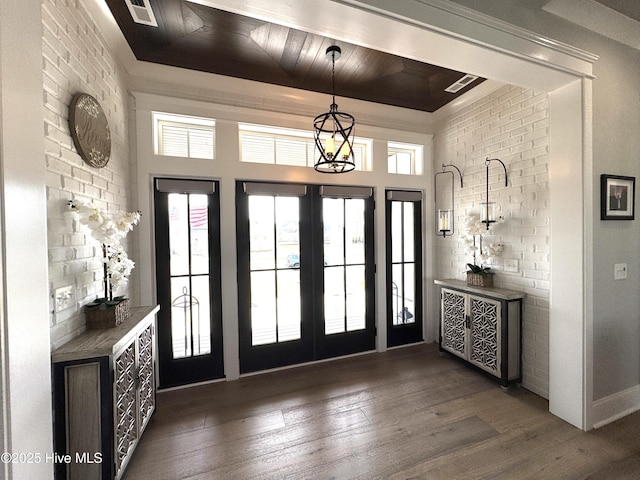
x: 472, y: 238
x: 109, y: 228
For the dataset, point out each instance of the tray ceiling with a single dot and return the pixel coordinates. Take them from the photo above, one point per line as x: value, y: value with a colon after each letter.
x: 206, y: 39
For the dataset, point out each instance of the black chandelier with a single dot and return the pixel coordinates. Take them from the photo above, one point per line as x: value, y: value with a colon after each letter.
x: 335, y: 129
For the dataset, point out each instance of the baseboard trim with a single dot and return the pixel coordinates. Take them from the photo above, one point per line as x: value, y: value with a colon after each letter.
x: 616, y: 406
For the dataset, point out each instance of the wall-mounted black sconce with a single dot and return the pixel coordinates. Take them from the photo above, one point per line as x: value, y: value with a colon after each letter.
x: 488, y: 209
x: 445, y: 223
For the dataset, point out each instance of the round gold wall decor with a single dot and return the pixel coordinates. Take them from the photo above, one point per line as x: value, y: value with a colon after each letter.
x: 90, y: 130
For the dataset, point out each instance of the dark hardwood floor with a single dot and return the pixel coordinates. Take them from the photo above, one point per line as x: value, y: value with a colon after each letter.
x: 408, y: 413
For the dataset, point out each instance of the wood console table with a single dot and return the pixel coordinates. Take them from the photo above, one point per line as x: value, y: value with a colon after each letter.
x: 104, y: 395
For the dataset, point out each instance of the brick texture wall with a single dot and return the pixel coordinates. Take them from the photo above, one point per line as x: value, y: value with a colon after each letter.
x: 511, y: 124
x: 76, y: 59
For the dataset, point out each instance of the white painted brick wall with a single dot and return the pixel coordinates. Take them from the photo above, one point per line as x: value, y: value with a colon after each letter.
x: 76, y: 59
x: 510, y: 124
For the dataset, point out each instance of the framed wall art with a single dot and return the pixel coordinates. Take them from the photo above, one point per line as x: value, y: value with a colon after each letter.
x: 90, y: 130
x: 617, y: 197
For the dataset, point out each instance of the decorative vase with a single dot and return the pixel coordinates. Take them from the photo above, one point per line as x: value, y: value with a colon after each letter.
x: 102, y: 315
x: 480, y: 279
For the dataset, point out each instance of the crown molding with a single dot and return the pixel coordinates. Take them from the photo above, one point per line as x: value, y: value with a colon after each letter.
x: 502, y: 26
x: 463, y: 23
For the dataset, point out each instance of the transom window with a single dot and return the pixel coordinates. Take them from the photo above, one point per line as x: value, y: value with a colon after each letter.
x: 405, y: 159
x: 286, y: 146
x: 184, y: 136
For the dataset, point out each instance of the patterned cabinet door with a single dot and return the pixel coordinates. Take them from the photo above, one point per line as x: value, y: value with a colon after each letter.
x: 147, y: 396
x: 125, y: 405
x: 484, y: 333
x: 453, y: 313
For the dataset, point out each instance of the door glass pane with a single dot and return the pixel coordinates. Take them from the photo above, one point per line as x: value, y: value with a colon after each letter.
x: 354, y: 230
x: 356, y: 304
x: 275, y: 268
x: 261, y: 232
x: 403, y: 271
x: 396, y: 231
x: 287, y: 216
x: 179, y: 234
x: 334, y: 301
x: 408, y: 312
x: 397, y: 291
x: 333, y: 225
x: 263, y: 308
x: 288, y: 305
x: 199, y: 225
x: 180, y: 317
x: 344, y: 273
x: 408, y: 231
x: 189, y: 255
x: 201, y: 312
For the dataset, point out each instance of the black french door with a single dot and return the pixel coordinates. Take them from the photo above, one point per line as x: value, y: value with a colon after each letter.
x: 187, y: 233
x: 403, y: 213
x: 305, y: 273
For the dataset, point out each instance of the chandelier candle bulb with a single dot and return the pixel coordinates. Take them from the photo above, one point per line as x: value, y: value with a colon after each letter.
x: 345, y: 152
x: 330, y: 146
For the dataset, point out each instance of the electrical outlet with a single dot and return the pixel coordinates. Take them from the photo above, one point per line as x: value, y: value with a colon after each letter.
x: 510, y: 265
x: 63, y: 298
x: 620, y: 271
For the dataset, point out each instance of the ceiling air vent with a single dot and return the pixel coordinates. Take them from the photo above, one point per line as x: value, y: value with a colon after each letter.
x: 460, y: 84
x: 142, y: 12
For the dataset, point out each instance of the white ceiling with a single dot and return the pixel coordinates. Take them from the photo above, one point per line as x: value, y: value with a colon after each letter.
x: 618, y: 20
x: 630, y: 8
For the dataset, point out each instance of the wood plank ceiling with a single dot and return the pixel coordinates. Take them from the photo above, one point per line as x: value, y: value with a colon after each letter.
x: 205, y: 39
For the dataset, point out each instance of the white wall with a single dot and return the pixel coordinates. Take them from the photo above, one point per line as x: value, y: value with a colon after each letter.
x: 72, y: 64
x: 511, y: 124
x: 25, y: 336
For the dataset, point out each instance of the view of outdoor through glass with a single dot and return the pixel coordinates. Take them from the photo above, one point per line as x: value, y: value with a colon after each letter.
x: 403, y: 263
x: 189, y: 270
x: 344, y: 271
x: 275, y: 268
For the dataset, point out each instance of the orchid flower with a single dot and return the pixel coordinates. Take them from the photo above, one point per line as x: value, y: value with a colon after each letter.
x: 109, y: 229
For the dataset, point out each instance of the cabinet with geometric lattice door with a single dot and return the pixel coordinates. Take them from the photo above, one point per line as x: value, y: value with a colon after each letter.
x: 104, y: 396
x: 482, y: 326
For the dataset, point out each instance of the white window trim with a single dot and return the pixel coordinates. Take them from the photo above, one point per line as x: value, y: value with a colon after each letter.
x: 184, y: 121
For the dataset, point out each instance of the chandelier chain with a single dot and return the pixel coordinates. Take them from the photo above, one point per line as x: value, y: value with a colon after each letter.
x: 333, y: 77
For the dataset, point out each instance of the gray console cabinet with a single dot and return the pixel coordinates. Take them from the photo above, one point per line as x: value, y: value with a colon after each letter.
x: 104, y: 396
x: 482, y: 326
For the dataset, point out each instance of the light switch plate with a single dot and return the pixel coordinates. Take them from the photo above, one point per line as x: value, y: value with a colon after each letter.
x: 620, y: 271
